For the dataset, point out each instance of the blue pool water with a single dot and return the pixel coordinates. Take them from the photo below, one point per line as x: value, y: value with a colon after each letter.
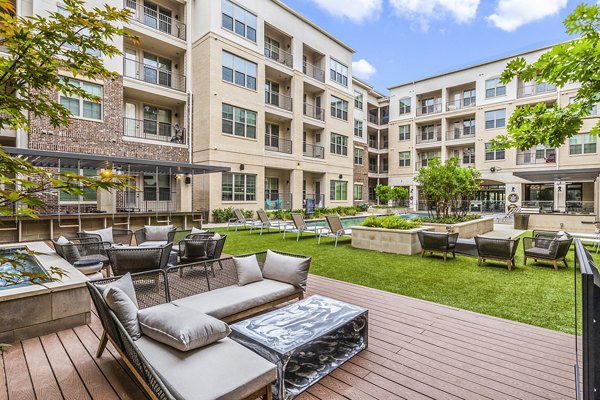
x: 347, y: 222
x: 28, y: 264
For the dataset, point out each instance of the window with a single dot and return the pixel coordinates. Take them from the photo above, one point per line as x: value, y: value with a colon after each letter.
x: 491, y: 154
x: 238, y: 20
x: 238, y: 187
x: 584, y: 143
x: 238, y: 121
x: 469, y: 97
x: 157, y: 70
x: 88, y: 194
x: 358, y: 191
x: 358, y: 128
x: 468, y: 155
x: 338, y: 72
x: 494, y: 88
x: 272, y: 48
x: 339, y: 108
x: 338, y: 190
x: 160, y: 187
x: 593, y: 110
x: 358, y: 100
x: 339, y: 144
x: 495, y: 119
x: 404, y: 157
x: 404, y: 132
x: 80, y: 107
x: 431, y: 133
x: 426, y: 157
x: 157, y: 121
x: 85, y: 32
x: 430, y: 105
x: 358, y: 156
x: 405, y: 105
x: 239, y: 71
x: 469, y: 126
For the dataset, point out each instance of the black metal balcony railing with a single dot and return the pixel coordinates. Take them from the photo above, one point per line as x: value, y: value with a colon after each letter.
x: 534, y: 158
x: 156, y: 20
x: 154, y: 130
x: 312, y: 150
x: 313, y: 71
x: 149, y: 201
x: 429, y: 137
x: 152, y: 74
x: 373, y: 119
x: 278, y: 100
x: 281, y: 56
x: 543, y: 205
x: 459, y: 104
x: 278, y: 201
x: 426, y: 109
x: 458, y: 133
x: 373, y: 144
x: 275, y: 143
x: 314, y: 112
x: 532, y: 90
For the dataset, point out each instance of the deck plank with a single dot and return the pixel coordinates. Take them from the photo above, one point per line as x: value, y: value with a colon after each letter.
x: 3, y: 389
x: 18, y: 380
x: 42, y: 377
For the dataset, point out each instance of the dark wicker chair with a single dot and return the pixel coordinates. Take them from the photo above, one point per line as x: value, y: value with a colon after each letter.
x: 120, y: 236
x: 82, y: 250
x: 497, y: 249
x: 140, y: 236
x: 542, y: 248
x: 138, y: 259
x: 435, y: 242
x: 203, y: 235
x: 201, y: 249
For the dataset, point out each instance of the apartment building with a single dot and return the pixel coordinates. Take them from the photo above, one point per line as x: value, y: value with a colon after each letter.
x: 458, y: 114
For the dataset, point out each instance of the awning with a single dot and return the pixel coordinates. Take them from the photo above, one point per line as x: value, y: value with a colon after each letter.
x: 574, y: 175
x: 54, y: 159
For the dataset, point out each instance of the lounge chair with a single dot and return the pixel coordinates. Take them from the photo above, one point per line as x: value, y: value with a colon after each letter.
x: 496, y: 249
x: 82, y: 252
x: 438, y: 243
x: 114, y: 235
x: 264, y: 222
x: 542, y: 248
x: 153, y: 236
x: 201, y: 249
x: 138, y: 259
x: 299, y: 226
x: 240, y: 220
x: 335, y: 229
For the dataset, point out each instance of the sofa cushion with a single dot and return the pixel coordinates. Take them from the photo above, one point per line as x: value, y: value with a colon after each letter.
x: 229, y: 300
x: 222, y: 370
x: 127, y: 312
x: 537, y: 252
x: 106, y: 235
x: 248, y: 270
x: 71, y: 252
x: 153, y: 232
x: 125, y: 284
x: 288, y: 269
x: 153, y: 243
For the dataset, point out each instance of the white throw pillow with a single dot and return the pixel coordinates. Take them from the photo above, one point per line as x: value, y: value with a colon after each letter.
x: 127, y: 313
x: 62, y: 240
x: 288, y: 269
x: 106, y: 235
x: 248, y: 270
x: 125, y: 283
x: 157, y: 233
x: 216, y: 236
x: 196, y: 230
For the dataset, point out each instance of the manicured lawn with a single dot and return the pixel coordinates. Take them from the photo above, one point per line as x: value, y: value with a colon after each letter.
x: 535, y: 294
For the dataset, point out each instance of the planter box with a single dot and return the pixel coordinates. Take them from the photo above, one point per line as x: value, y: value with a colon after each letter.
x: 387, y: 240
x: 467, y: 230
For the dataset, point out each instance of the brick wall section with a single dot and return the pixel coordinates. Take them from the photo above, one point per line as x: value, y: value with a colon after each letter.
x: 361, y: 173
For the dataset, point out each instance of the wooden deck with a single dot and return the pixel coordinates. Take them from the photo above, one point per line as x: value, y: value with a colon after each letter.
x: 417, y: 350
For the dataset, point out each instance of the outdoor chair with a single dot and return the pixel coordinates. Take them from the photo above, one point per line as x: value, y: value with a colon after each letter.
x: 265, y: 222
x: 299, y: 226
x: 496, y: 249
x: 335, y: 229
x: 81, y: 252
x: 240, y: 220
x: 201, y: 249
x: 435, y: 242
x: 541, y: 248
x: 138, y: 259
x: 153, y: 236
x: 119, y: 236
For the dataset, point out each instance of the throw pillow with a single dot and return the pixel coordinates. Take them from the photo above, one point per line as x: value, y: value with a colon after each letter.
x: 181, y: 327
x: 70, y: 252
x: 127, y: 312
x: 216, y: 236
x: 157, y: 233
x: 62, y: 240
x: 288, y: 269
x: 106, y: 235
x: 125, y: 284
x: 248, y: 270
x: 196, y: 230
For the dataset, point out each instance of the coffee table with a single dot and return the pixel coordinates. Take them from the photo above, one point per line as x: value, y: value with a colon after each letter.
x: 306, y: 340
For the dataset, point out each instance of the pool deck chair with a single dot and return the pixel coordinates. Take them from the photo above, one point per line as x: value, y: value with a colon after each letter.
x: 240, y: 220
x: 264, y: 222
x: 299, y: 226
x: 335, y: 229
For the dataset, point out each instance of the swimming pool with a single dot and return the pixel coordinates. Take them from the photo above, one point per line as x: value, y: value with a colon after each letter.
x: 29, y: 264
x: 347, y: 222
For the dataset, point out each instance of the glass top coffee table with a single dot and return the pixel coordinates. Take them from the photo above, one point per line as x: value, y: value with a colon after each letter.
x: 306, y: 340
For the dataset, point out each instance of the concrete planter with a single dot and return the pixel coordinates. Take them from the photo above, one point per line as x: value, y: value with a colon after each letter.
x: 467, y: 230
x: 387, y: 240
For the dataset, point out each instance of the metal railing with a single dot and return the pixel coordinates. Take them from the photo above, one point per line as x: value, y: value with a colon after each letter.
x: 156, y: 20
x: 281, y: 56
x: 532, y: 158
x: 543, y: 205
x: 154, y: 130
x: 459, y: 133
x: 373, y: 119
x: 149, y: 201
x: 581, y: 206
x: 313, y: 71
x: 152, y: 74
x: 429, y: 137
x: 373, y: 144
x: 429, y: 108
x: 278, y: 100
x: 314, y: 112
x: 478, y: 206
x: 312, y: 150
x: 278, y: 201
x: 532, y: 90
x: 459, y: 104
x: 275, y: 143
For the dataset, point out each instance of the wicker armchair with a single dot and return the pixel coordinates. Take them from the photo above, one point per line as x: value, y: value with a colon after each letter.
x: 79, y: 250
x: 542, y: 248
x: 496, y: 249
x: 120, y: 236
x: 435, y: 242
x: 141, y: 238
x: 138, y: 259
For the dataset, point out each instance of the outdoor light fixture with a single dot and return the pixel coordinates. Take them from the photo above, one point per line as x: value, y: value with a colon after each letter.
x: 107, y: 173
x: 512, y: 190
x: 341, y: 176
x: 188, y: 179
x: 242, y: 166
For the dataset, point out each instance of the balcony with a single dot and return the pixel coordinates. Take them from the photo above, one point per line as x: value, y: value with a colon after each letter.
x: 533, y: 157
x: 429, y: 137
x: 280, y: 56
x: 461, y: 103
x: 154, y: 75
x: 314, y: 112
x: 532, y: 90
x: 153, y: 130
x: 428, y: 109
x: 275, y: 143
x: 155, y: 20
x: 373, y: 119
x: 278, y: 100
x: 456, y: 134
x: 313, y: 71
x: 313, y: 151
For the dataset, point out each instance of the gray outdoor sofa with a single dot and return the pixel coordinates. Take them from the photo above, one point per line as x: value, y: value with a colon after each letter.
x: 221, y: 370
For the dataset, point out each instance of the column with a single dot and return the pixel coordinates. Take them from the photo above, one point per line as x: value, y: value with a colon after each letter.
x: 107, y: 201
x: 296, y: 177
x: 183, y: 188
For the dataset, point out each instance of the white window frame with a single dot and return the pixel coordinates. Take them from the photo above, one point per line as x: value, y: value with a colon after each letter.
x: 339, y: 144
x: 492, y: 91
x: 405, y: 106
x: 338, y: 72
x: 580, y: 141
x: 249, y: 128
x: 496, y: 120
x: 241, y: 17
x: 358, y: 128
x: 247, y: 194
x: 250, y: 70
x: 359, y: 156
x: 404, y: 134
x: 82, y: 101
x: 492, y: 155
x: 339, y: 108
x: 404, y: 162
x: 333, y: 190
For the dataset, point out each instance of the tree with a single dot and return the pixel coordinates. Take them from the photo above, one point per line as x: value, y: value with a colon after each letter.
x: 448, y: 186
x: 383, y: 193
x: 399, y: 193
x: 576, y: 61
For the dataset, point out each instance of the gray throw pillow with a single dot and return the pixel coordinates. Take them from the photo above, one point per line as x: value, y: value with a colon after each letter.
x: 288, y: 269
x: 71, y: 252
x: 127, y: 312
x: 180, y: 327
x: 125, y: 284
x: 157, y: 233
x: 106, y: 235
x: 248, y: 270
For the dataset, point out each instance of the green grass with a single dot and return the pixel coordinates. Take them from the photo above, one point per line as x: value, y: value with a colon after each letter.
x: 535, y: 294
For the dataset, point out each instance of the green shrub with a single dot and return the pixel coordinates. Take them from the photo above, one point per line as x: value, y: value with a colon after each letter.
x: 392, y: 222
x: 449, y: 220
x: 225, y: 214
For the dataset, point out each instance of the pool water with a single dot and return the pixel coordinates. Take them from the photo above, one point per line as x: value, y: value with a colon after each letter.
x: 28, y: 264
x: 347, y: 222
